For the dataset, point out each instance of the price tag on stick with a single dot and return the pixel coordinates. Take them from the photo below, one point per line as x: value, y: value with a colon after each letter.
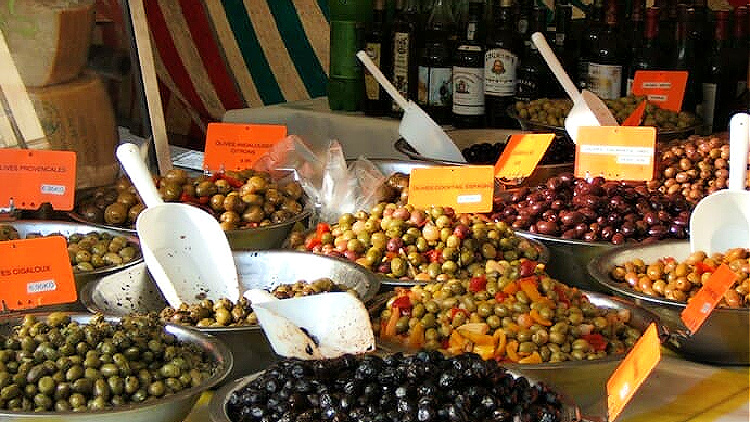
x: 521, y: 155
x: 616, y: 152
x: 36, y: 272
x: 31, y: 177
x: 466, y: 189
x: 632, y: 371
x: 703, y: 303
x: 234, y: 146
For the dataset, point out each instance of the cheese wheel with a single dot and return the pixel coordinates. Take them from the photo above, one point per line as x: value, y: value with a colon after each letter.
x: 78, y: 116
x: 48, y: 39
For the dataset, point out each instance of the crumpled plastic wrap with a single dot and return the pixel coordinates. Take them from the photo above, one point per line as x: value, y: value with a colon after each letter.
x: 332, y: 185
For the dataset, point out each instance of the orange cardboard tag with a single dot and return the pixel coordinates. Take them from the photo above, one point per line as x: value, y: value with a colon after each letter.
x: 703, y: 303
x: 636, y: 117
x: 35, y: 272
x: 237, y: 146
x: 616, y: 152
x: 632, y: 371
x: 466, y: 189
x: 663, y: 88
x: 32, y: 176
x: 521, y: 155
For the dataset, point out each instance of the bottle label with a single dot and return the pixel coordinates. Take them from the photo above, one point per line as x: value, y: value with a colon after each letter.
x: 527, y: 88
x: 500, y: 72
x: 709, y: 105
x: 401, y: 65
x: 468, y: 90
x: 434, y: 87
x: 629, y: 87
x: 372, y: 87
x: 605, y: 80
x: 471, y: 31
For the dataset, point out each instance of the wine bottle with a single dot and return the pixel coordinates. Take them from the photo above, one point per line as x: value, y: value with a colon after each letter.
x: 740, y: 51
x: 648, y: 54
x: 500, y: 64
x: 377, y: 101
x: 563, y: 46
x: 718, y: 87
x: 435, y: 66
x: 534, y: 79
x: 606, y: 66
x: 667, y: 23
x: 635, y: 31
x: 404, y: 44
x: 686, y: 58
x: 523, y: 22
x: 589, y: 41
x: 468, y: 71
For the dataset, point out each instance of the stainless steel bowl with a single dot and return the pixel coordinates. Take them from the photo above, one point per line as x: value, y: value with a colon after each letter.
x: 725, y: 336
x: 568, y: 259
x: 172, y: 408
x: 135, y: 291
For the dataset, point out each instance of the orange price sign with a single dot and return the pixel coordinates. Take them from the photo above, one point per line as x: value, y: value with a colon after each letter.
x: 466, y: 189
x: 616, y: 152
x: 663, y: 88
x: 31, y: 177
x: 35, y: 272
x: 632, y: 371
x: 521, y: 155
x: 237, y: 146
x: 703, y: 303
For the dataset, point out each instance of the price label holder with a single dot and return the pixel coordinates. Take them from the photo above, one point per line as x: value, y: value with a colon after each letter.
x: 521, y: 155
x: 237, y: 146
x: 632, y: 371
x: 466, y: 189
x: 36, y: 272
x: 663, y: 88
x: 616, y: 152
x: 31, y: 177
x: 703, y: 303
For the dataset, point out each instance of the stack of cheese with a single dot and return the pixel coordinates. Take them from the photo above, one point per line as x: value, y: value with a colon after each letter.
x: 49, y: 41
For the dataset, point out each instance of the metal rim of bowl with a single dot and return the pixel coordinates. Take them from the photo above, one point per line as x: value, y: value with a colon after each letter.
x: 217, y: 350
x: 606, y: 281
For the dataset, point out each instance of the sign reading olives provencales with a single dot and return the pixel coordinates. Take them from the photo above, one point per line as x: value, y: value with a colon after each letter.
x: 35, y: 272
x: 29, y: 178
x: 466, y: 189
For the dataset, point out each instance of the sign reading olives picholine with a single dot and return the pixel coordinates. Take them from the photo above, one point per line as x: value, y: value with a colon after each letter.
x: 35, y: 272
x: 466, y: 189
x: 29, y: 178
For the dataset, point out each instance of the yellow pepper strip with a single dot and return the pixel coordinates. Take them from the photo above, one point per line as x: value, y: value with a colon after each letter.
x: 511, y: 349
x: 389, y: 331
x: 532, y: 358
x: 485, y: 351
x: 416, y: 336
x: 501, y: 341
x: 456, y: 341
x: 473, y: 328
x: 511, y: 288
x: 530, y: 287
x: 539, y: 319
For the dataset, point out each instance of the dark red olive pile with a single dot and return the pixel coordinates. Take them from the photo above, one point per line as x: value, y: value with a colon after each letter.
x: 421, y: 387
x: 594, y: 210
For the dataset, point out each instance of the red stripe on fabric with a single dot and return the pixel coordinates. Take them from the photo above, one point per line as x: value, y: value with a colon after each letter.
x: 171, y: 59
x: 208, y: 49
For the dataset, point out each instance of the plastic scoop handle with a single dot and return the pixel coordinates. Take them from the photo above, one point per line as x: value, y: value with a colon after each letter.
x: 554, y: 64
x: 130, y: 157
x: 385, y: 83
x: 739, y: 134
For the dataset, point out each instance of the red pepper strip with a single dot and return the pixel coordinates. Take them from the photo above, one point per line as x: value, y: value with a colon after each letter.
x: 312, y: 242
x: 561, y: 296
x: 477, y: 284
x: 322, y: 228
x: 454, y: 311
x: 203, y: 200
x: 596, y: 341
x: 188, y: 198
x: 232, y: 181
x: 704, y: 268
x: 500, y: 296
x: 214, y: 177
x: 403, y: 304
x: 435, y: 255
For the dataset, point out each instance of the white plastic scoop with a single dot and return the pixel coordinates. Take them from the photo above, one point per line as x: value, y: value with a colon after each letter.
x: 588, y: 109
x: 322, y: 326
x: 417, y: 127
x: 184, y: 247
x: 721, y: 220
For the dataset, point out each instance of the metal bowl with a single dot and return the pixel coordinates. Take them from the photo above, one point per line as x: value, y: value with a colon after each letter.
x: 725, y: 336
x: 584, y: 382
x: 135, y: 291
x: 172, y: 408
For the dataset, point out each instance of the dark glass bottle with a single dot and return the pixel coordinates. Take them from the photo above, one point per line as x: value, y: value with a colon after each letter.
x: 648, y: 55
x: 686, y: 58
x: 718, y: 86
x: 534, y: 79
x: 740, y: 50
x: 377, y: 101
x: 607, y: 64
x: 667, y: 24
x: 563, y: 46
x: 589, y: 41
x: 636, y: 28
x: 404, y: 43
x: 468, y: 71
x: 500, y: 64
x: 434, y: 89
x: 523, y: 22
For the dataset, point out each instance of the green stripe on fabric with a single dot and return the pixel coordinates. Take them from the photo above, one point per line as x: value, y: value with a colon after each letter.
x: 324, y: 8
x: 300, y: 50
x: 252, y: 52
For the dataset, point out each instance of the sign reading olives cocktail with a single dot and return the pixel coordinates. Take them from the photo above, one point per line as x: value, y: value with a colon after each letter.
x: 233, y: 146
x: 616, y: 152
x: 466, y: 189
x: 35, y: 272
x: 29, y: 178
x: 521, y: 155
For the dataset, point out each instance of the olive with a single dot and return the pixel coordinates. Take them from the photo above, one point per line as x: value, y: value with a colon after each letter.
x: 170, y: 192
x: 176, y: 176
x: 115, y: 213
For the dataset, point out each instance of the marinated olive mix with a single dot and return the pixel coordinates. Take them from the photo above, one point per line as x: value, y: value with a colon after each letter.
x: 680, y: 281
x: 406, y: 242
x: 58, y: 365
x: 225, y: 313
x: 593, y: 210
x: 241, y: 199
x: 423, y: 387
x: 512, y: 313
